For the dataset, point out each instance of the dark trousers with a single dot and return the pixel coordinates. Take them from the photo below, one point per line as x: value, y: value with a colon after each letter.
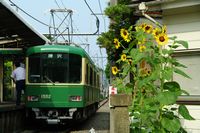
x: 20, y: 85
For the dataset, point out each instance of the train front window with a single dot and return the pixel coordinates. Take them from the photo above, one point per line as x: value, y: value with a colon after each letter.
x: 54, y: 68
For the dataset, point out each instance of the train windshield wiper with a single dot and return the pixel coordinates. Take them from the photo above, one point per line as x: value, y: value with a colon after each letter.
x: 48, y: 79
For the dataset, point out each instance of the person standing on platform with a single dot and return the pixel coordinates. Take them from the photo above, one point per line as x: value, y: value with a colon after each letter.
x: 18, y: 76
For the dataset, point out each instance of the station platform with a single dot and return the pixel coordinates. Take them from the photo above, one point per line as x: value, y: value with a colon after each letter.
x: 10, y: 106
x: 10, y: 114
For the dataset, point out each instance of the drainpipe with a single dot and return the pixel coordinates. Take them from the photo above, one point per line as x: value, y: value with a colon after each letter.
x: 143, y: 8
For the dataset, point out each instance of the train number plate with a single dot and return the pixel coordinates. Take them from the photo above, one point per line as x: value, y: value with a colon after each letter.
x: 45, y: 96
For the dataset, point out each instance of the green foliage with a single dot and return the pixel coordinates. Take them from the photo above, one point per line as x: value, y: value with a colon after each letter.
x: 171, y: 125
x: 152, y: 87
x: 117, y: 12
x: 183, y: 43
x: 106, y: 40
x: 7, y: 80
x: 107, y: 71
x: 184, y: 112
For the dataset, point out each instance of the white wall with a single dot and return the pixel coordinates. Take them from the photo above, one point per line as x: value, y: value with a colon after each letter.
x: 184, y: 22
x: 193, y: 70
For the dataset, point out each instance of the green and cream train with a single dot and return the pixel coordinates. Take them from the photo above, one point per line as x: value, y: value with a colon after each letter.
x: 62, y: 83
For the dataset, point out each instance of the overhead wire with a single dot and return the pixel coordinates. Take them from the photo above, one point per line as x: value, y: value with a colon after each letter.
x: 57, y: 3
x: 28, y: 14
x: 100, y: 7
x: 97, y: 19
x: 62, y: 3
x: 104, y: 21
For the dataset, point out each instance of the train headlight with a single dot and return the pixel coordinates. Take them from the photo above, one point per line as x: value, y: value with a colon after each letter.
x: 32, y: 98
x: 75, y: 98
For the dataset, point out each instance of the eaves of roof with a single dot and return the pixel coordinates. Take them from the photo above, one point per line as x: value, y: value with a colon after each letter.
x: 15, y: 32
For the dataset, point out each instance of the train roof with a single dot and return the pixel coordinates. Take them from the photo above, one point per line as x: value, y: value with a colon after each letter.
x: 56, y: 48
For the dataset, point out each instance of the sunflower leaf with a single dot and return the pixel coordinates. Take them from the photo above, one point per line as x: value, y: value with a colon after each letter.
x: 184, y: 112
x: 185, y: 92
x: 167, y: 97
x: 172, y: 125
x: 183, y: 43
x: 173, y: 38
x: 178, y: 71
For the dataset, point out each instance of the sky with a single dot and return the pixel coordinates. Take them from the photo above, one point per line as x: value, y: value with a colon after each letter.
x: 82, y: 21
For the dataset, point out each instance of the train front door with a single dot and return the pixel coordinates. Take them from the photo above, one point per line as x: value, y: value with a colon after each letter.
x: 8, y: 85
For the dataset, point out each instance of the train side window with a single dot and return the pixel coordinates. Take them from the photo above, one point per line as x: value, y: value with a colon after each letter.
x: 88, y: 69
x: 74, y: 68
x: 86, y: 74
x: 95, y: 78
x: 91, y: 76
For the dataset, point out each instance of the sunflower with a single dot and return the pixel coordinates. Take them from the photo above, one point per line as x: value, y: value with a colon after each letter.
x: 148, y: 28
x: 123, y: 57
x: 114, y: 70
x: 125, y: 35
x: 140, y: 27
x: 162, y: 39
x: 142, y: 48
x: 156, y: 32
x: 117, y: 43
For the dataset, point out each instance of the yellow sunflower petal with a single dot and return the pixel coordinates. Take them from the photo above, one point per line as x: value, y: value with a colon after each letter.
x: 162, y: 39
x: 117, y: 43
x: 156, y: 32
x: 148, y: 28
x: 125, y: 35
x: 114, y: 70
x: 142, y: 48
x: 123, y: 57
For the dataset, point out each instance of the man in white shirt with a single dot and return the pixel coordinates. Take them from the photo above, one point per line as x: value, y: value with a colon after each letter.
x: 18, y: 75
